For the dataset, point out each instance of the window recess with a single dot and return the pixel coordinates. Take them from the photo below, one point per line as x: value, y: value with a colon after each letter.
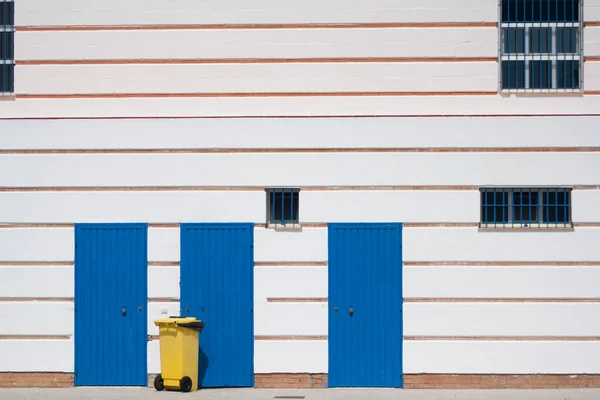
x: 282, y: 207
x: 541, y: 46
x: 532, y: 208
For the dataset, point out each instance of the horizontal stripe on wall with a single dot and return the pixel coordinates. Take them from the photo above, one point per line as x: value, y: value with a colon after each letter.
x: 150, y: 61
x: 313, y: 150
x: 496, y: 300
x: 501, y: 264
x: 469, y: 338
x: 446, y: 300
x: 323, y: 225
x: 508, y: 338
x: 257, y: 26
x: 249, y: 94
x: 71, y: 299
x: 35, y: 337
x: 259, y: 61
x: 295, y: 300
x: 262, y: 94
x: 290, y: 337
x: 250, y: 189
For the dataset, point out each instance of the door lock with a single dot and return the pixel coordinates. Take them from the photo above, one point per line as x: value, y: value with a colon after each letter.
x: 123, y: 311
x: 351, y: 311
x: 334, y: 309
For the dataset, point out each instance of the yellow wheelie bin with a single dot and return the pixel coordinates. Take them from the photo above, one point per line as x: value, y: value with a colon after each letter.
x: 178, y: 353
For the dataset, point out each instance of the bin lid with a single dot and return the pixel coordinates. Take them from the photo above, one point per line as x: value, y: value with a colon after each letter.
x: 174, y: 321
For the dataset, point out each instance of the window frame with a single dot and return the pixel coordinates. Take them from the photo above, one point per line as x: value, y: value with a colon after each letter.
x: 10, y: 62
x: 528, y: 57
x: 283, y: 223
x: 510, y: 222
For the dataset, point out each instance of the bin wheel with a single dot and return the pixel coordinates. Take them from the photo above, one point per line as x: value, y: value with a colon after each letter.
x: 185, y: 384
x: 159, y: 384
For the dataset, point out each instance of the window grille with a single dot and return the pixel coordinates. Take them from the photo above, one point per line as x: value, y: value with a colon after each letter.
x: 541, y: 45
x: 526, y: 208
x: 7, y: 39
x: 282, y: 206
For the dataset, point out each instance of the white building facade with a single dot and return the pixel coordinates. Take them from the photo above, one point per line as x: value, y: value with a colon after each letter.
x: 470, y: 126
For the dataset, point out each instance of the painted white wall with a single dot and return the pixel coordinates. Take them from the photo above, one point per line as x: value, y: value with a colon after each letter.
x: 160, y: 310
x: 592, y: 10
x: 257, y: 78
x: 501, y: 319
x: 293, y: 133
x: 290, y: 356
x: 385, y: 206
x: 501, y: 282
x: 585, y: 205
x: 257, y: 43
x: 147, y: 12
x: 37, y: 318
x: 467, y: 244
x: 163, y: 244
x: 591, y: 41
x: 301, y: 106
x: 419, y: 245
x: 32, y: 281
x: 592, y: 76
x: 37, y: 355
x: 301, y: 169
x: 501, y: 357
x: 291, y: 319
x: 239, y: 206
x: 163, y: 282
x: 288, y: 281
x: 308, y: 245
x: 147, y: 207
x: 445, y: 319
x: 37, y: 244
x: 154, y: 357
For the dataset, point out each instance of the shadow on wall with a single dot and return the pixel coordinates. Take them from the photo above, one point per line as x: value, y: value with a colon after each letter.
x: 203, y: 366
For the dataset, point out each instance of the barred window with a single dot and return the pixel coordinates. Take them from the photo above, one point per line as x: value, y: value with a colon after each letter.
x: 282, y: 206
x: 541, y: 45
x: 7, y: 39
x: 526, y: 208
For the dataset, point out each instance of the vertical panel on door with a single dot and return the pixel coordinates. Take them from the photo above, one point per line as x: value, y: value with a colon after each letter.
x: 217, y: 284
x: 365, y: 305
x: 111, y: 280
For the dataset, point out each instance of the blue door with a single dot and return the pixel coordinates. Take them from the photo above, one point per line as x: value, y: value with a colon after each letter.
x: 111, y: 280
x: 365, y: 305
x: 217, y: 285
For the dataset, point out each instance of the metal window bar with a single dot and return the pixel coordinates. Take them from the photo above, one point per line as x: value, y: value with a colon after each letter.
x: 526, y: 208
x: 283, y: 205
x: 556, y: 65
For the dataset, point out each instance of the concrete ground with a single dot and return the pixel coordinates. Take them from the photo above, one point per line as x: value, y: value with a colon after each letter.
x: 297, y: 394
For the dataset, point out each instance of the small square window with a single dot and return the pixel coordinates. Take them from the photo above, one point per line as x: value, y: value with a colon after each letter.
x: 282, y: 206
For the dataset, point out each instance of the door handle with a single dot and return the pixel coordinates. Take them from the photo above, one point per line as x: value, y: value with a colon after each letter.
x: 351, y: 311
x: 123, y: 311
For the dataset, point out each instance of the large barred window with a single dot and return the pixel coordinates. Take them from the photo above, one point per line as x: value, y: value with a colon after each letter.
x: 7, y: 39
x: 541, y: 45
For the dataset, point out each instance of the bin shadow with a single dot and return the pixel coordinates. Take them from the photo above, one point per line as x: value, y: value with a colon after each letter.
x: 203, y: 363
